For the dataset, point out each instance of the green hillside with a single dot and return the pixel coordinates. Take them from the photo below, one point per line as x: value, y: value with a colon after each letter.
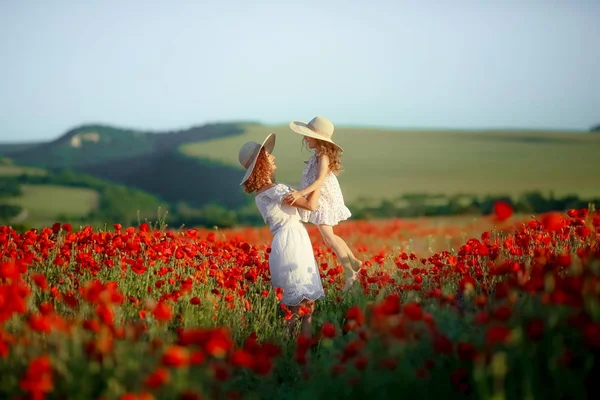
x: 7, y: 168
x: 175, y: 178
x: 8, y: 148
x: 143, y: 160
x: 85, y: 145
x: 97, y: 144
x: 42, y: 205
x: 46, y: 196
x: 194, y: 173
x: 390, y: 163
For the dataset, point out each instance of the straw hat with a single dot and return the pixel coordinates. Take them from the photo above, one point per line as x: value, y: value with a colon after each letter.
x: 319, y: 128
x: 250, y: 151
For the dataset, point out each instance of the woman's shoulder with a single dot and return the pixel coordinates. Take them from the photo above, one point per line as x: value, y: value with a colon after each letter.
x: 282, y: 188
x: 274, y: 191
x: 263, y: 191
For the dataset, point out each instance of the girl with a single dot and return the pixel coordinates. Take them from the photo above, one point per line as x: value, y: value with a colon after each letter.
x: 320, y: 174
x: 291, y: 262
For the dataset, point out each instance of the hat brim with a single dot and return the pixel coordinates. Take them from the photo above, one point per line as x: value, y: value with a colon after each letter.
x: 301, y: 128
x: 268, y: 144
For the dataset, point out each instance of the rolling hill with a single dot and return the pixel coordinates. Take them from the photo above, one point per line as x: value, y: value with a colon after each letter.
x: 8, y: 168
x: 199, y: 167
x: 149, y: 161
x: 42, y: 205
x: 97, y: 144
x: 7, y: 148
x: 36, y: 197
x: 382, y: 164
x: 175, y: 177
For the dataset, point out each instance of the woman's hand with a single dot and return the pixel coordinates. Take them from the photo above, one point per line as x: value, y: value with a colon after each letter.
x: 291, y: 198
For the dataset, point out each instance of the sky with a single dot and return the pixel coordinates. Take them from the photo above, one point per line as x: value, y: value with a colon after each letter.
x: 164, y: 65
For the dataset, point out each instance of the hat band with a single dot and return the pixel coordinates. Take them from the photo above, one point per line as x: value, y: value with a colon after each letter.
x: 317, y: 131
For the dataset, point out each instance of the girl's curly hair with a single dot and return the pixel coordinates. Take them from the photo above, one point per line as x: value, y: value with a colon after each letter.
x: 261, y: 175
x: 334, y: 154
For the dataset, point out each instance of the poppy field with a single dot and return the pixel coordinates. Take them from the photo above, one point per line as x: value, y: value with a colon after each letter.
x: 503, y: 307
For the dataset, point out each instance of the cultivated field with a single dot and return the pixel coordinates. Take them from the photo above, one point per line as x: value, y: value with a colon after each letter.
x: 386, y: 164
x: 15, y: 170
x: 44, y: 204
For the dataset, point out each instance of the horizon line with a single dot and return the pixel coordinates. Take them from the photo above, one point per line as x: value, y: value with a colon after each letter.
x: 347, y: 126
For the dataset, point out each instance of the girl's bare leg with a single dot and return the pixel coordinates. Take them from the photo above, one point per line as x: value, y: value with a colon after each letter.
x: 356, y: 263
x: 349, y: 262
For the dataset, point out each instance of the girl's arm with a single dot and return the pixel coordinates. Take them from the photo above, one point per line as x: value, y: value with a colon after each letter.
x: 322, y: 174
x: 309, y: 203
x: 313, y: 199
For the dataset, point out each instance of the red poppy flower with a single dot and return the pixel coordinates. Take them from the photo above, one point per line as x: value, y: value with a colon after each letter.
x: 502, y: 210
x: 159, y: 377
x: 413, y: 311
x: 175, y: 356
x: 328, y: 330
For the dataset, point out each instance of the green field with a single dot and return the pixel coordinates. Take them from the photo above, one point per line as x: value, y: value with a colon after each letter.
x: 42, y: 204
x: 15, y: 170
x: 389, y: 163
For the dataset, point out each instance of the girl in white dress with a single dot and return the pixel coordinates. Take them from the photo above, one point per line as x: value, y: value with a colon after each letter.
x: 291, y: 262
x: 320, y: 174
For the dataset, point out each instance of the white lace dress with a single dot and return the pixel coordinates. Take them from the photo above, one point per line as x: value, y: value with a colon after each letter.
x: 291, y: 261
x: 331, y: 208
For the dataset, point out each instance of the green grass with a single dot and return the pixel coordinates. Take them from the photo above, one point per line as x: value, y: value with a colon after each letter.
x: 15, y: 170
x: 45, y: 202
x: 389, y: 163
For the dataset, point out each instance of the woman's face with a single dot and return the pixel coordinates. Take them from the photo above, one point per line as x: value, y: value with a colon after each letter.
x: 271, y: 159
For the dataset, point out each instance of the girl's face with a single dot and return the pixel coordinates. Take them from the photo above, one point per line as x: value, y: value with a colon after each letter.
x: 310, y: 142
x: 271, y: 159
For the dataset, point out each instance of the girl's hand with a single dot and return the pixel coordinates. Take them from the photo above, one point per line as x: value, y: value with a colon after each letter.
x: 291, y: 198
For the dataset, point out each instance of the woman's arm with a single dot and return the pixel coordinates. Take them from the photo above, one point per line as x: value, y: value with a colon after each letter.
x: 317, y: 184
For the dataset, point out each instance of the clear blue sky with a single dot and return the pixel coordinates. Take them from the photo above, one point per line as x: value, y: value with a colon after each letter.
x: 156, y: 64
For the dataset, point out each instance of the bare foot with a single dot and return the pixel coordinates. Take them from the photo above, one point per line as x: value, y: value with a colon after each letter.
x: 350, y: 281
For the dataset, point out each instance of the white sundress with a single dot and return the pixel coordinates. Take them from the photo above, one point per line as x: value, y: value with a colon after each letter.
x: 291, y: 262
x: 331, y: 208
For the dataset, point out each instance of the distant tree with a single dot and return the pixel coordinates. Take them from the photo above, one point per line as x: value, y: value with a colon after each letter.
x: 8, y: 211
x: 595, y: 128
x: 9, y: 187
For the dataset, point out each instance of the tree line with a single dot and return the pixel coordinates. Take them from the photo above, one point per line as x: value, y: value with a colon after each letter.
x: 129, y: 206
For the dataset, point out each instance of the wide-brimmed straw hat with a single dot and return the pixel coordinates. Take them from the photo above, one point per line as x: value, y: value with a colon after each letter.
x: 250, y: 151
x: 319, y: 128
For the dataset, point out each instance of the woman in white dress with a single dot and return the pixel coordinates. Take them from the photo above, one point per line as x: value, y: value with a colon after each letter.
x: 291, y: 262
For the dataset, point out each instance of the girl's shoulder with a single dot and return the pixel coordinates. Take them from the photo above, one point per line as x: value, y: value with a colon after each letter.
x: 316, y: 158
x: 319, y: 157
x: 312, y: 158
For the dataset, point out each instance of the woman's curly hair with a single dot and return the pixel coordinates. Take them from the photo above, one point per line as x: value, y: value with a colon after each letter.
x: 261, y: 175
x: 334, y: 154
